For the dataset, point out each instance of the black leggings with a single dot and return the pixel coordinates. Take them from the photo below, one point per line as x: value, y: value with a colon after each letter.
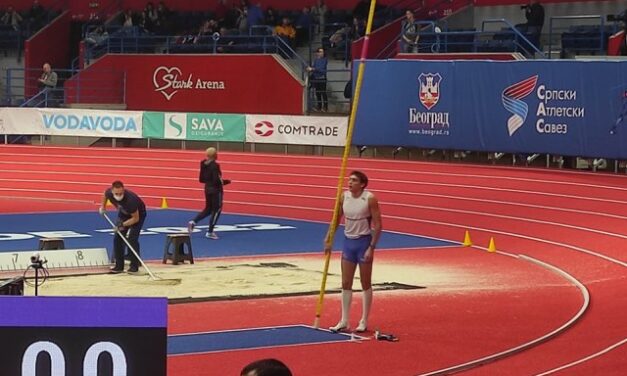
x: 322, y: 100
x: 213, y: 208
x: 119, y: 246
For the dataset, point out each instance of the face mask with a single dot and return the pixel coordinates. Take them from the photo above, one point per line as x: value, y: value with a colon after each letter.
x: 118, y: 197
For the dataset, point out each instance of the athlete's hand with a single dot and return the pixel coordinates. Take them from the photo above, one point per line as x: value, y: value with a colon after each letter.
x: 327, y: 248
x: 102, y: 210
x: 368, y: 255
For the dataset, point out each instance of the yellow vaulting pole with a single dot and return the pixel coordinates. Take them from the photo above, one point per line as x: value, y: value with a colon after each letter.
x: 347, y: 146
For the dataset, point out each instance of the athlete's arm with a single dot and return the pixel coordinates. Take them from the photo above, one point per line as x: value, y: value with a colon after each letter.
x: 375, y: 212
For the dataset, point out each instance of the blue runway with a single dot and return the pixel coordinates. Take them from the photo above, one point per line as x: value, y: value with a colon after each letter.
x: 250, y: 339
x: 240, y: 235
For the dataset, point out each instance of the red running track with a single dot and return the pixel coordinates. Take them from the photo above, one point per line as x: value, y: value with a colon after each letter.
x: 475, y: 305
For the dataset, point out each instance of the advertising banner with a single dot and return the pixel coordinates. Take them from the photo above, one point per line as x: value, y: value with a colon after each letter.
x: 64, y: 122
x: 301, y: 130
x: 194, y: 126
x: 575, y: 108
x: 202, y: 83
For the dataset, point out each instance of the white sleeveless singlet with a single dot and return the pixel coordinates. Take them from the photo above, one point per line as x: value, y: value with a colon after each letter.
x: 357, y: 215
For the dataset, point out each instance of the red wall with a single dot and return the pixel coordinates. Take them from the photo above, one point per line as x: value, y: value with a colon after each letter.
x: 49, y: 45
x: 253, y: 83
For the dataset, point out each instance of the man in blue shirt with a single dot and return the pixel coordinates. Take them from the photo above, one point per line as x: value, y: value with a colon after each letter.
x: 318, y: 79
x: 131, y: 217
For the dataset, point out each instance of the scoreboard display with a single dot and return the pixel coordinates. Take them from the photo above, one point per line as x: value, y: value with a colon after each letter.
x: 83, y: 336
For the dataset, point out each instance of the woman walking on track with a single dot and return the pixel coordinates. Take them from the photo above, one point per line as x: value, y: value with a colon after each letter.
x: 362, y: 229
x: 211, y: 175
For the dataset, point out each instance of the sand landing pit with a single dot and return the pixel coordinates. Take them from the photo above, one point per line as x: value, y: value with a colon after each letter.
x: 222, y: 279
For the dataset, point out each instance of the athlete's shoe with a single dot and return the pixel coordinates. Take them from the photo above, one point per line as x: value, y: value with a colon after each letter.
x: 211, y: 235
x: 339, y: 327
x: 190, y: 226
x: 362, y: 327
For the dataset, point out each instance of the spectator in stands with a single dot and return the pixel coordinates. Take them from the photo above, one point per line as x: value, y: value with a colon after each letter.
x: 12, y: 18
x: 319, y: 14
x: 303, y: 25
x: 361, y: 9
x: 207, y: 29
x: 266, y: 367
x: 150, y: 17
x: 358, y: 29
x: 47, y: 84
x: 254, y: 16
x: 48, y: 79
x: 270, y: 17
x: 225, y: 42
x: 410, y: 33
x: 242, y: 19
x: 318, y: 79
x: 338, y: 39
x: 164, y: 19
x: 36, y: 13
x: 534, y: 13
x: 127, y: 19
x: 97, y: 36
x: 286, y: 31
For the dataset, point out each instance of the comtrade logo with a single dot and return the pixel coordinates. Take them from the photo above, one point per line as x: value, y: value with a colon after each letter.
x: 512, y: 101
x: 429, y: 93
x: 264, y: 128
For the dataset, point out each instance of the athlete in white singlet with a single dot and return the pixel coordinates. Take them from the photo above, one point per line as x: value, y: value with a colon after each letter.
x: 362, y: 228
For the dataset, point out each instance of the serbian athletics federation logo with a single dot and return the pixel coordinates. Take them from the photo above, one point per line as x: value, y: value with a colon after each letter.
x: 429, y: 89
x: 512, y: 102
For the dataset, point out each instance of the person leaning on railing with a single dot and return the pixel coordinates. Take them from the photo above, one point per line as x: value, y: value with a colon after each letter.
x: 409, y: 33
x: 48, y: 79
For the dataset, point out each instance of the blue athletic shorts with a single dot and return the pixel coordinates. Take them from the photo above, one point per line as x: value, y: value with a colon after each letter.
x: 354, y: 249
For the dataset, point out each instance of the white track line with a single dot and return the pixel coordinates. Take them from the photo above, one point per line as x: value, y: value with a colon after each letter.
x: 226, y: 164
x: 194, y: 155
x: 461, y: 198
x: 583, y: 360
x: 539, y: 193
x: 491, y: 358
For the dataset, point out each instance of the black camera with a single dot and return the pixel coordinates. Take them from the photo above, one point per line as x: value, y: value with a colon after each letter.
x: 36, y: 261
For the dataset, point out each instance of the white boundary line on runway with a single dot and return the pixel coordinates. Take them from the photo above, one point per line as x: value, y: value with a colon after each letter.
x: 493, y: 357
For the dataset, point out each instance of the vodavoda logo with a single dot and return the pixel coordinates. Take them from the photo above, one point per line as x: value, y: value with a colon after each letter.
x: 264, y: 128
x: 175, y: 125
x: 90, y: 122
x: 170, y: 80
x: 553, y: 113
x: 512, y: 101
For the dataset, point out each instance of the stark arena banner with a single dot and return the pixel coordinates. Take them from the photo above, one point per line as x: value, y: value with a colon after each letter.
x: 575, y: 108
x: 198, y: 83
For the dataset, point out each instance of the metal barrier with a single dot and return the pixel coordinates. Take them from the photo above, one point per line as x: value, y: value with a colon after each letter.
x: 71, y: 88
